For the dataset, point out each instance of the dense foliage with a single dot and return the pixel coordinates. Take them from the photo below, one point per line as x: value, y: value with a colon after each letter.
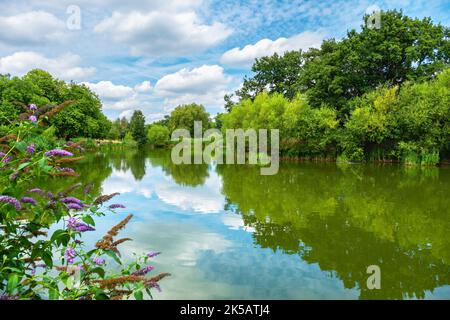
x: 83, y: 118
x: 403, y: 49
x: 37, y: 265
x: 158, y: 135
x: 183, y: 117
x: 378, y: 94
x: 411, y: 124
x: 137, y: 128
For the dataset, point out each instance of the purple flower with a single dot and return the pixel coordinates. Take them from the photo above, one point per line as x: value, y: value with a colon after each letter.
x: 70, y: 170
x: 99, y: 261
x: 2, y: 154
x: 37, y: 190
x: 116, y: 206
x: 29, y: 200
x: 74, y: 206
x: 7, y: 297
x: 31, y: 149
x: 152, y: 254
x: 58, y: 153
x: 32, y: 107
x: 143, y: 271
x: 14, y: 176
x: 155, y: 285
x: 75, y: 225
x: 69, y: 255
x: 12, y: 201
x: 32, y: 118
x: 50, y: 195
x: 71, y: 200
x: 6, y: 160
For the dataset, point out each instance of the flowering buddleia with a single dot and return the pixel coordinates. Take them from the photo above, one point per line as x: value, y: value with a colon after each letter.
x: 70, y: 255
x: 58, y: 153
x: 12, y: 201
x: 152, y: 254
x: 143, y: 271
x: 99, y: 261
x: 29, y: 200
x: 116, y: 206
x: 75, y: 206
x: 71, y: 200
x: 78, y: 226
x: 31, y: 149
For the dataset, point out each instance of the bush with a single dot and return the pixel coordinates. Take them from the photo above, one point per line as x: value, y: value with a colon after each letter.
x: 158, y: 136
x: 67, y: 268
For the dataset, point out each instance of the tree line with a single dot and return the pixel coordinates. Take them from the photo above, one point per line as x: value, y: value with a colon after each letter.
x: 377, y: 94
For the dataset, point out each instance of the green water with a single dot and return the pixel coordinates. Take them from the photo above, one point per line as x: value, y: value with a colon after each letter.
x: 309, y: 232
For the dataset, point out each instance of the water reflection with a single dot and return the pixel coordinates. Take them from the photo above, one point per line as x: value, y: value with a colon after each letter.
x: 308, y: 232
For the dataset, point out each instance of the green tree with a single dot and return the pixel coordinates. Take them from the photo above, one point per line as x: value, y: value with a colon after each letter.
x: 158, y: 135
x: 184, y: 116
x: 137, y: 128
x: 276, y: 73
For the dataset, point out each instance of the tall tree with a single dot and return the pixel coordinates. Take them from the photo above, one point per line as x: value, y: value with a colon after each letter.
x: 137, y: 127
x: 184, y: 116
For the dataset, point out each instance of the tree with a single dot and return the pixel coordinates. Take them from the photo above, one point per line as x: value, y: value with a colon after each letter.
x: 276, y: 73
x: 184, y: 116
x: 137, y: 128
x: 403, y: 49
x: 158, y: 135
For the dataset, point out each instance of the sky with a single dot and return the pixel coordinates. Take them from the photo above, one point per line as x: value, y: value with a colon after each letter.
x: 153, y: 55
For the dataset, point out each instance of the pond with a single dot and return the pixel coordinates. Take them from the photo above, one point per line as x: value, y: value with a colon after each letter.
x: 309, y: 232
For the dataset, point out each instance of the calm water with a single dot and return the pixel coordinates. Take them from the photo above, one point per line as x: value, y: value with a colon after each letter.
x: 309, y: 232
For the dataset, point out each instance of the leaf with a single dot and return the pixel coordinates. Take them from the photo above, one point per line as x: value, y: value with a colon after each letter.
x: 23, y: 165
x: 138, y: 295
x: 99, y: 271
x: 53, y: 294
x: 89, y: 220
x: 13, y: 280
x: 101, y: 295
x: 113, y: 255
x: 47, y: 257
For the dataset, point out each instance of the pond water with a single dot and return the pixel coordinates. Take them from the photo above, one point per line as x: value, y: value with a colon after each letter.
x: 309, y: 232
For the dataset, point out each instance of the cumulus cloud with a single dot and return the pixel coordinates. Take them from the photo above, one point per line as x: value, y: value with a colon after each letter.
x: 31, y: 28
x: 66, y: 66
x: 122, y: 97
x: 246, y: 56
x: 109, y: 91
x: 158, y: 33
x: 143, y: 87
x: 206, y: 85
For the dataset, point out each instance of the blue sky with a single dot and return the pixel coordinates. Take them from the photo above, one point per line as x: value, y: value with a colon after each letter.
x: 155, y: 54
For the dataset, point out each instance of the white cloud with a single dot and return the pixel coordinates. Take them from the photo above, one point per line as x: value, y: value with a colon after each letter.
x: 31, y: 28
x: 205, y: 85
x: 65, y: 66
x: 158, y: 33
x: 143, y: 87
x: 246, y: 56
x: 109, y: 91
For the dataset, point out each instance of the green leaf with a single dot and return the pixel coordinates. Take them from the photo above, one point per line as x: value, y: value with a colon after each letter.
x: 89, y: 220
x: 13, y: 280
x: 53, y: 294
x: 23, y: 165
x: 47, y: 257
x: 138, y: 295
x: 113, y: 255
x: 99, y: 271
x: 101, y: 295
